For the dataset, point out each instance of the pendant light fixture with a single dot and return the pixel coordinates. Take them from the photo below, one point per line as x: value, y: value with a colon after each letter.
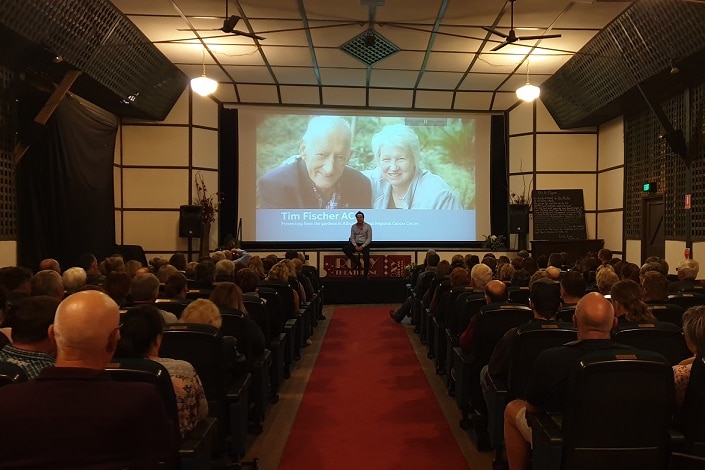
x: 203, y: 85
x: 528, y: 92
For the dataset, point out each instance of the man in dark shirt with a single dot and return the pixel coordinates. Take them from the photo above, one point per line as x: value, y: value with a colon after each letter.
x: 73, y: 415
x: 594, y: 320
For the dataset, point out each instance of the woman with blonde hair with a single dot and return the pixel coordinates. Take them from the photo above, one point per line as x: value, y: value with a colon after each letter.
x: 228, y: 295
x: 256, y: 265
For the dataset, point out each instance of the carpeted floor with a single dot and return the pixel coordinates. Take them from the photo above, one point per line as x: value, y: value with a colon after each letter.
x: 368, y: 403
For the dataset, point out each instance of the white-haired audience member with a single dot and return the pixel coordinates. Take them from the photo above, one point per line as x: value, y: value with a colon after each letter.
x: 74, y: 279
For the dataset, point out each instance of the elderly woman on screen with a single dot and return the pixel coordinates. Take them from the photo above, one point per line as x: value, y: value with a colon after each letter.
x: 398, y: 182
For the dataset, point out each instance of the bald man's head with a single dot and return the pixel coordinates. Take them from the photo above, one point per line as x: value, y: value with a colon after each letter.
x: 496, y: 292
x: 86, y: 330
x: 594, y: 317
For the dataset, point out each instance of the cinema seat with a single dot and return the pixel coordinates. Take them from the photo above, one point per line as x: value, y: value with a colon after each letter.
x: 11, y: 373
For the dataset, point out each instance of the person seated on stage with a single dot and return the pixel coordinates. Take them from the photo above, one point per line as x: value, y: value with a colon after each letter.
x: 398, y: 181
x: 496, y: 293
x: 144, y: 289
x: 545, y: 301
x: 50, y: 264
x: 141, y: 337
x: 687, y: 275
x: 49, y: 283
x: 627, y: 303
x: 547, y: 388
x: 359, y: 242
x: 74, y: 279
x: 73, y: 415
x: 31, y: 347
x: 318, y: 177
x: 694, y: 332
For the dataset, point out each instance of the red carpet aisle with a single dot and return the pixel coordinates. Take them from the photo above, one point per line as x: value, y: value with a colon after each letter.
x: 368, y: 404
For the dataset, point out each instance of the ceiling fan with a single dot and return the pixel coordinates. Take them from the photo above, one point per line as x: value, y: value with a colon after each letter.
x: 228, y: 27
x: 511, y: 37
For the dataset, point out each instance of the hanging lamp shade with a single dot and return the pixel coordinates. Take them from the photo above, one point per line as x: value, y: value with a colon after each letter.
x: 528, y: 92
x: 203, y: 85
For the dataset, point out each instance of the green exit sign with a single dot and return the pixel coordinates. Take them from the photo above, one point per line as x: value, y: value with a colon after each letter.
x: 650, y: 187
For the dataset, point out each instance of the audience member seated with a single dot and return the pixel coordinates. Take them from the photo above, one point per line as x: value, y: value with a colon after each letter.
x: 113, y: 263
x: 248, y: 281
x: 441, y: 274
x: 164, y: 271
x: 553, y: 273
x: 117, y: 286
x: 545, y: 300
x: 496, y: 294
x: 224, y: 270
x: 190, y: 271
x: 204, y: 275
x: 627, y: 303
x: 652, y: 266
x: 31, y: 349
x: 418, y: 289
x: 141, y: 336
x: 594, y: 320
x: 279, y: 276
x: 654, y: 292
x: 572, y: 287
x: 16, y: 280
x: 505, y: 273
x: 240, y: 257
x: 89, y: 263
x: 605, y: 277
x: 50, y: 264
x: 175, y: 287
x: 205, y: 312
x: 630, y: 271
x: 73, y: 415
x: 604, y: 256
x: 687, y: 275
x: 227, y: 296
x: 694, y: 332
x: 74, y: 279
x: 49, y: 283
x: 178, y: 260
x: 132, y: 267
x: 257, y: 266
x: 144, y: 289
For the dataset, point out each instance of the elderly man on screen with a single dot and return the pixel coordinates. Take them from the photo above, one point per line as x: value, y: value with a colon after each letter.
x: 399, y: 182
x: 317, y: 178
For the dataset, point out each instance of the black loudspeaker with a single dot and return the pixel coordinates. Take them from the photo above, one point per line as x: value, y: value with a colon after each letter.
x: 518, y: 218
x: 190, y: 221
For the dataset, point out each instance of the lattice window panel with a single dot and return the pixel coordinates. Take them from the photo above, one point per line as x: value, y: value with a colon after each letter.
x: 697, y: 145
x: 8, y: 118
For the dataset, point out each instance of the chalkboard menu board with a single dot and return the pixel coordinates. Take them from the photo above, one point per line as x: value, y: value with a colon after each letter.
x: 559, y: 214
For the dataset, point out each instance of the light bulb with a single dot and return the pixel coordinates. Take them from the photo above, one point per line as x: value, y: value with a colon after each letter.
x: 203, y: 85
x: 528, y: 92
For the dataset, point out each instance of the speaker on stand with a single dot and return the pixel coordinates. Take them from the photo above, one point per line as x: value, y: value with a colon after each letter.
x: 519, y: 223
x: 190, y: 225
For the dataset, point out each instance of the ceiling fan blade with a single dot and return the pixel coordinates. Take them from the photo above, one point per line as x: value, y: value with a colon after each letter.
x: 544, y: 36
x: 499, y: 46
x: 249, y: 35
x: 494, y: 31
x: 188, y: 29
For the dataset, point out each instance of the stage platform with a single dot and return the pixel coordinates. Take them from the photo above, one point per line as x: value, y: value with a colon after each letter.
x: 364, y: 291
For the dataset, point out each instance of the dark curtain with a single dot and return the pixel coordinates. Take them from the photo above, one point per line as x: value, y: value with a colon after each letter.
x: 65, y: 186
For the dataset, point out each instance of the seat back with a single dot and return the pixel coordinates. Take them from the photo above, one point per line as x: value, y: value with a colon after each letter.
x: 466, y: 305
x: 202, y: 347
x: 491, y: 324
x: 687, y: 299
x: 661, y: 337
x: 667, y: 312
x: 237, y: 326
x: 11, y: 373
x: 175, y: 306
x: 278, y: 313
x: 519, y: 295
x: 258, y: 312
x: 529, y: 342
x: 618, y: 412
x: 692, y: 418
x: 286, y: 293
x: 565, y: 314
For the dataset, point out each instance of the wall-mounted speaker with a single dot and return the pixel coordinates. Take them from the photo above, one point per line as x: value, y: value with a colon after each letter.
x: 518, y: 218
x: 190, y: 221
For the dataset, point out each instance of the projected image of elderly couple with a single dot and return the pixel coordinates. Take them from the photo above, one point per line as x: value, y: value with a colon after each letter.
x: 365, y: 162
